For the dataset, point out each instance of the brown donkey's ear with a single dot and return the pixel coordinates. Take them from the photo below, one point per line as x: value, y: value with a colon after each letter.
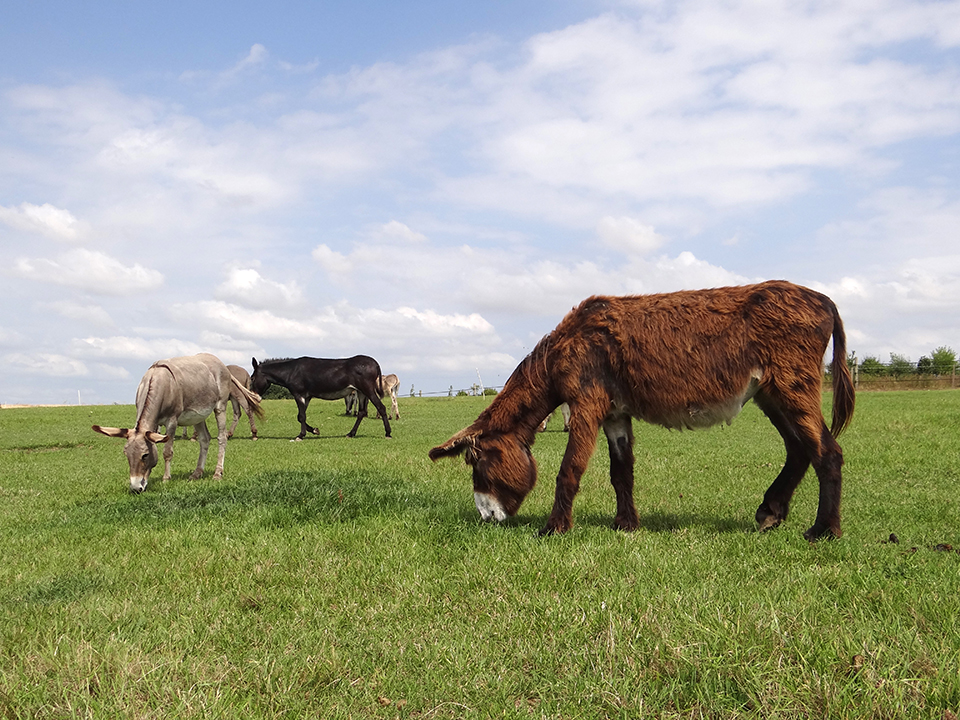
x: 466, y: 439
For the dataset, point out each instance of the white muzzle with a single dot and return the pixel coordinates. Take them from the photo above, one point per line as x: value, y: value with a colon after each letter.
x: 489, y: 507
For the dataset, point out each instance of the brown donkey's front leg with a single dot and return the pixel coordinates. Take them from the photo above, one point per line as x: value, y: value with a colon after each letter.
x: 580, y: 446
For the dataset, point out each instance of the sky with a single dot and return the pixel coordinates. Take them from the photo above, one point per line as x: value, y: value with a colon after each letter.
x: 437, y: 184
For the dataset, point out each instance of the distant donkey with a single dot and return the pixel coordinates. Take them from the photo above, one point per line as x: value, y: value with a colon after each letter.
x: 330, y: 379
x: 243, y: 377
x: 682, y: 360
x: 389, y: 386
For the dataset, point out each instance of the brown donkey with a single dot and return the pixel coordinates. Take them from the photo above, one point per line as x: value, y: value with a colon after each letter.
x: 687, y: 359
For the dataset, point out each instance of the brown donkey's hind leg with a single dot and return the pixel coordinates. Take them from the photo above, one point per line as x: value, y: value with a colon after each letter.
x: 619, y: 432
x: 807, y: 440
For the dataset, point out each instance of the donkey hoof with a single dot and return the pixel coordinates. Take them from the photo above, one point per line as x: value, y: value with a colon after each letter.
x: 555, y: 528
x: 769, y: 523
x: 767, y: 519
x: 822, y: 533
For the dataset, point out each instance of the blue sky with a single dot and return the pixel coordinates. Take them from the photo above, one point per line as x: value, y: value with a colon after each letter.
x: 437, y: 188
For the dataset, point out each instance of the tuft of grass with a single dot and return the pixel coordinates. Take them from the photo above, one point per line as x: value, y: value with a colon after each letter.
x: 340, y: 577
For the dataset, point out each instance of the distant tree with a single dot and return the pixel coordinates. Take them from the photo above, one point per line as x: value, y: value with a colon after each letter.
x: 900, y: 365
x: 872, y: 366
x: 925, y: 366
x: 944, y: 359
x: 489, y: 391
x: 277, y: 392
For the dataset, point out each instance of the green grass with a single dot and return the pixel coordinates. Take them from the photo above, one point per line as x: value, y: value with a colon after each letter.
x: 345, y: 578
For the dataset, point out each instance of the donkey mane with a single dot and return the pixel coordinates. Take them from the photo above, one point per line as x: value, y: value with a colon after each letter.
x: 534, y: 369
x: 147, y: 404
x: 270, y: 361
x: 529, y: 385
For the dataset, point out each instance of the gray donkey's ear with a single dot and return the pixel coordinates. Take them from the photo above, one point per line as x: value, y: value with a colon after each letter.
x: 111, y: 431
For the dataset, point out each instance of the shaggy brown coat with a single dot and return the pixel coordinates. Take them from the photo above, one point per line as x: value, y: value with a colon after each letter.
x: 682, y: 360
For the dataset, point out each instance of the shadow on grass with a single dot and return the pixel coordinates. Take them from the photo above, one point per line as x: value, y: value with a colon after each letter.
x: 322, y: 436
x: 64, y: 588
x: 280, y: 498
x: 48, y: 447
x: 657, y: 522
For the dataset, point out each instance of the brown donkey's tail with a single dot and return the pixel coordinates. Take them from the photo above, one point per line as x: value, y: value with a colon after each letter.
x: 843, y: 393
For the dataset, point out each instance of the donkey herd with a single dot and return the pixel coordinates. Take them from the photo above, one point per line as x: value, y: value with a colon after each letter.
x: 682, y: 360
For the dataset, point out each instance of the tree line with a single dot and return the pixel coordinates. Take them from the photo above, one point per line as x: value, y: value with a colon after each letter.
x: 942, y: 362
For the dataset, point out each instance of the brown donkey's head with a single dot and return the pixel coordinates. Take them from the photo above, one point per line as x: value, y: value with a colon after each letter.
x: 504, y: 471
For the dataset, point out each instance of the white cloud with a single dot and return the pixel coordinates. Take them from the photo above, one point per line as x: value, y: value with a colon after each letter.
x: 628, y: 235
x: 135, y: 348
x: 76, y: 118
x: 436, y: 323
x: 44, y: 219
x: 257, y: 56
x: 49, y: 364
x: 464, y: 363
x: 93, y: 314
x: 235, y: 167
x: 145, y: 351
x: 11, y: 338
x: 518, y: 279
x: 688, y: 272
x: 907, y: 310
x: 396, y: 230
x: 235, y: 320
x: 724, y: 106
x: 899, y: 222
x: 335, y: 263
x: 110, y: 372
x: 245, y: 286
x: 91, y: 271
x: 340, y: 324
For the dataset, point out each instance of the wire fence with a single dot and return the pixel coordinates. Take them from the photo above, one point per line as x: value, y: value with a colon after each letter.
x: 900, y: 375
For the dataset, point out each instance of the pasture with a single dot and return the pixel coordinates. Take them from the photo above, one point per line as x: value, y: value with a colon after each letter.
x: 351, y: 578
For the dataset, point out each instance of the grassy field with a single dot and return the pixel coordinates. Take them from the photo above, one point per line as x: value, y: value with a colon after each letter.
x: 351, y: 578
